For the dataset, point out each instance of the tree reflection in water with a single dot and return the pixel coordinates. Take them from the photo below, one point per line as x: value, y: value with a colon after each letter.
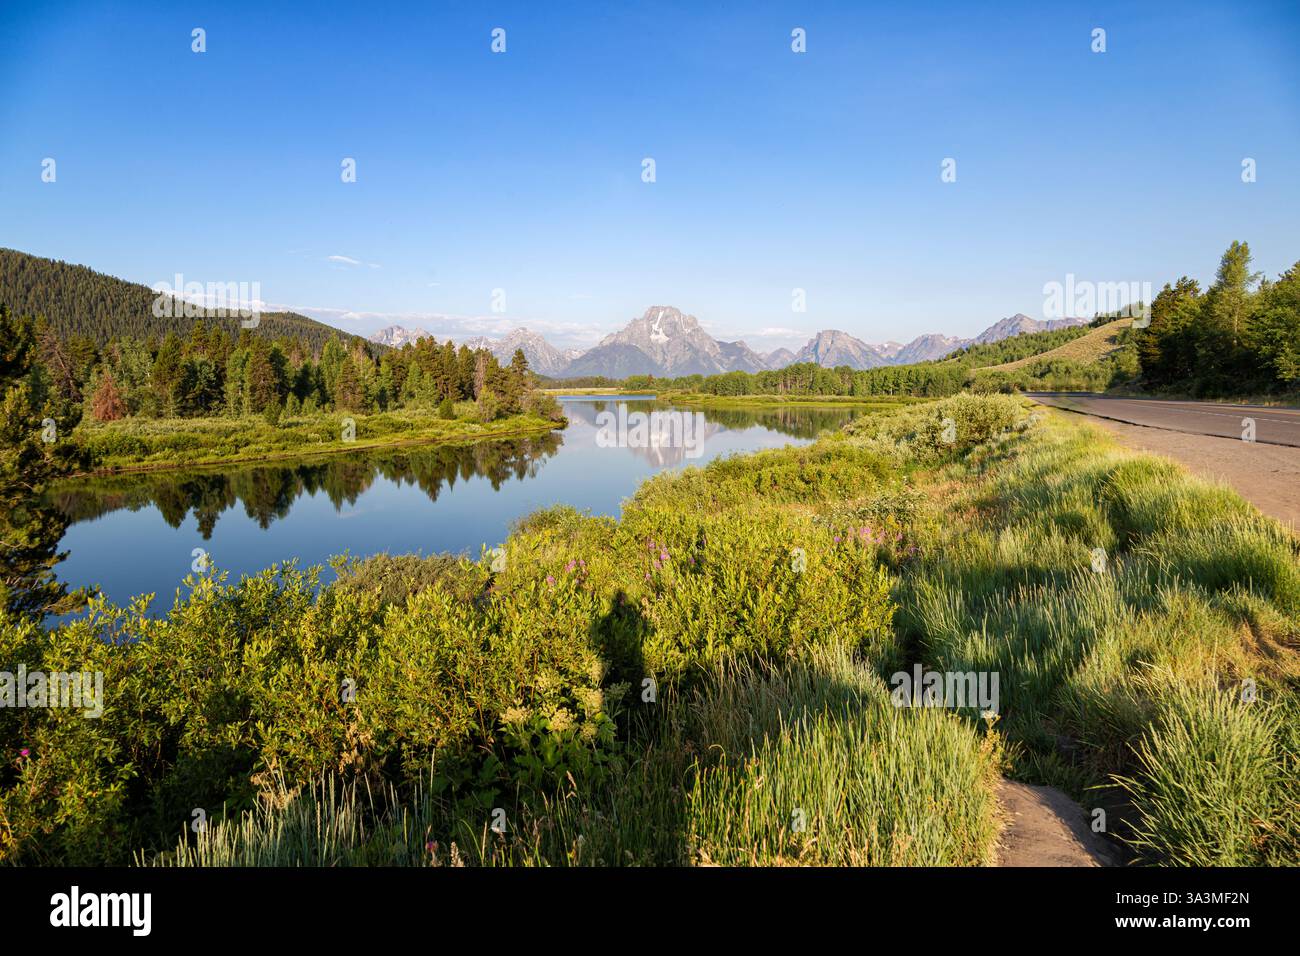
x: 268, y: 491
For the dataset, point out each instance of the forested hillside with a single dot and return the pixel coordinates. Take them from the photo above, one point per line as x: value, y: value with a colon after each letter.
x: 80, y: 302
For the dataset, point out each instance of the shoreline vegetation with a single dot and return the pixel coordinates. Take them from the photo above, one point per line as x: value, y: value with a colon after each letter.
x: 135, y: 446
x: 706, y: 680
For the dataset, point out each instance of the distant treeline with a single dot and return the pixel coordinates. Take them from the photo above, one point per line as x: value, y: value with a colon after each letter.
x: 934, y: 379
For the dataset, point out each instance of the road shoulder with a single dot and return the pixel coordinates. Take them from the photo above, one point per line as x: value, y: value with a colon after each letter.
x: 1268, y: 476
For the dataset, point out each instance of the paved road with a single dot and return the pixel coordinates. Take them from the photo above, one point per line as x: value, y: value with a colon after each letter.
x: 1273, y: 426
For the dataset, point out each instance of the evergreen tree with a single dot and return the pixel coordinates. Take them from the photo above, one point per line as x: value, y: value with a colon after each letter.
x: 332, y: 357
x: 166, y: 371
x: 32, y: 454
x: 349, y: 390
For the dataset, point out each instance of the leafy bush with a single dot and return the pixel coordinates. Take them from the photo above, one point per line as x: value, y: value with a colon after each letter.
x: 541, y: 404
x: 486, y: 685
x: 487, y: 408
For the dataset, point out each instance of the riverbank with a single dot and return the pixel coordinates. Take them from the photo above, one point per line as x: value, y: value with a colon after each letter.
x: 144, y: 445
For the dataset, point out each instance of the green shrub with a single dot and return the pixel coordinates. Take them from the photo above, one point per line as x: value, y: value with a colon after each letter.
x: 541, y: 404
x: 487, y: 408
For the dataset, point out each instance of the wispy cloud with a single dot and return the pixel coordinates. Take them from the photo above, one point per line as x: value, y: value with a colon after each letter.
x: 352, y: 263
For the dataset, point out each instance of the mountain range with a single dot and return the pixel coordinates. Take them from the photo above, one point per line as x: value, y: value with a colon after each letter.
x: 667, y: 343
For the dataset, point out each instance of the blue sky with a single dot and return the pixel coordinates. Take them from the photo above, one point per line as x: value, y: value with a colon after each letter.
x: 775, y: 170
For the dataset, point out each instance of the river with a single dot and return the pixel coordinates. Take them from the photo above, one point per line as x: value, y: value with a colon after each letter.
x: 141, y: 533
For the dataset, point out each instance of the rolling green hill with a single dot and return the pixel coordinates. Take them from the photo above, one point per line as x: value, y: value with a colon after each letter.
x: 80, y: 301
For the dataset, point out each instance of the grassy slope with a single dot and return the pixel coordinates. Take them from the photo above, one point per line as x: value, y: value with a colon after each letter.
x: 1162, y: 687
x: 1092, y: 347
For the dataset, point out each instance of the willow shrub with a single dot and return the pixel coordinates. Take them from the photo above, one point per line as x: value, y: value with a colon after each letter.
x: 481, y: 681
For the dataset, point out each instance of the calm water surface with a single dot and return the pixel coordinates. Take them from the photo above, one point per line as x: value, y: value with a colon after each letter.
x: 135, y: 534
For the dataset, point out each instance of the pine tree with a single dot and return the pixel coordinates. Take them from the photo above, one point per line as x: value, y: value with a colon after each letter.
x: 516, y: 382
x: 30, y: 525
x: 261, y: 385
x: 349, y: 391
x: 332, y: 357
x: 166, y: 370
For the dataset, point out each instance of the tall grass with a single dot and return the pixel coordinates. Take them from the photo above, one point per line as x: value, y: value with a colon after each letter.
x: 817, y: 766
x: 757, y: 765
x: 1192, y: 584
x: 1210, y: 786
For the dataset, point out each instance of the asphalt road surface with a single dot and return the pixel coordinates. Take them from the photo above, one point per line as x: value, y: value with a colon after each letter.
x: 1273, y: 426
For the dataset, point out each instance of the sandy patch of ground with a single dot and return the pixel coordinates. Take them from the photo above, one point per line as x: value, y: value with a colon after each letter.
x: 1044, y: 827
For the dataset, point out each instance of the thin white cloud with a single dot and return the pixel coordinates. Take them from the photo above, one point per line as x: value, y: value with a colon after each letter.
x: 345, y: 260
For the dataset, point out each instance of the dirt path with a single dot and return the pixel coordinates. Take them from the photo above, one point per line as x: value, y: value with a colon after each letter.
x: 1044, y: 827
x: 1268, y: 476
